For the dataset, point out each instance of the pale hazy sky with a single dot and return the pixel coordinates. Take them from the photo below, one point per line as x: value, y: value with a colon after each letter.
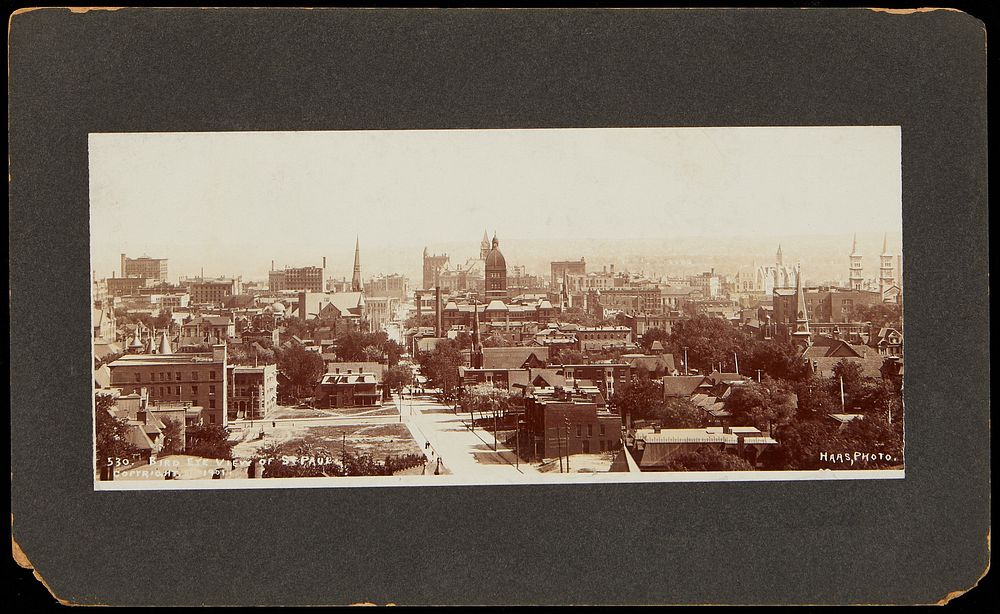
x: 232, y: 202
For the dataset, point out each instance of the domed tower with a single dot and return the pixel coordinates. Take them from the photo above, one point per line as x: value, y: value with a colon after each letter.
x: 496, y: 273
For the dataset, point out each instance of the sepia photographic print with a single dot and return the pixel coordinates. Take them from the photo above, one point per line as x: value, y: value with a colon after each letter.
x: 476, y: 307
x: 485, y: 307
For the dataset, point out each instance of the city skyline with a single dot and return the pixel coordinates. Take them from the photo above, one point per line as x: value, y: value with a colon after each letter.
x: 715, y: 183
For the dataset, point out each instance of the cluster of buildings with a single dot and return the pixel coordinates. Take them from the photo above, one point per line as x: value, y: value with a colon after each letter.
x: 181, y: 369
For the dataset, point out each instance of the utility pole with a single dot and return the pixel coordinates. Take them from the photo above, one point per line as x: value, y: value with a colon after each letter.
x: 567, y: 445
x: 517, y: 442
x: 758, y: 376
x: 559, y: 447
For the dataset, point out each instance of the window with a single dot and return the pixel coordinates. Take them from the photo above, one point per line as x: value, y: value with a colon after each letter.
x: 138, y: 377
x: 590, y: 430
x: 211, y: 403
x: 211, y: 419
x: 579, y: 430
x: 194, y: 390
x: 178, y: 376
x: 211, y: 375
x: 194, y: 375
x: 178, y: 391
x: 211, y: 389
x: 601, y: 429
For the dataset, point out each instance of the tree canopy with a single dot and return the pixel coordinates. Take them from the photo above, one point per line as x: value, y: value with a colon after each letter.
x: 111, y: 434
x: 303, y: 367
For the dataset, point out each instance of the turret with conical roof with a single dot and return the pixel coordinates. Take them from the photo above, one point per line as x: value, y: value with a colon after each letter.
x: 165, y: 344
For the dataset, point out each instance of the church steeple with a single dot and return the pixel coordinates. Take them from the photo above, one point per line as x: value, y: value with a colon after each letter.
x: 484, y: 246
x: 356, y: 285
x: 801, y: 333
x: 856, y: 279
x: 778, y: 258
x: 886, y: 273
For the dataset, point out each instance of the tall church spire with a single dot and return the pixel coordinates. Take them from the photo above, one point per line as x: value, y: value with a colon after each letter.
x: 356, y: 285
x: 778, y: 258
x: 886, y: 273
x: 801, y: 333
x: 856, y: 278
x: 484, y: 245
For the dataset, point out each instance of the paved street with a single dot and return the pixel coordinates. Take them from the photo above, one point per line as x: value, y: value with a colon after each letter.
x: 463, y: 452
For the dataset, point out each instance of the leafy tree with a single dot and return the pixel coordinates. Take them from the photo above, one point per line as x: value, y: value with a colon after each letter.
x: 879, y: 315
x: 486, y: 399
x: 392, y: 351
x: 679, y: 413
x: 440, y: 366
x: 303, y: 367
x: 709, y: 342
x: 209, y: 441
x: 802, y: 442
x: 868, y: 443
x: 163, y: 321
x: 353, y: 345
x: 111, y: 442
x: 778, y: 359
x: 464, y: 340
x: 651, y: 335
x: 768, y: 405
x: 882, y: 441
x: 852, y: 376
x: 880, y: 398
x: 173, y: 437
x: 817, y: 397
x: 708, y: 458
x: 372, y: 353
x: 640, y: 399
x: 398, y: 377
x: 238, y: 355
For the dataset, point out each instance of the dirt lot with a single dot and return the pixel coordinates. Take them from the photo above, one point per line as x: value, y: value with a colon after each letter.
x: 378, y: 440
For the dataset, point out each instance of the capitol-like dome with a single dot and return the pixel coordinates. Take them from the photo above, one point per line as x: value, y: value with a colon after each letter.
x: 494, y: 259
x: 278, y: 307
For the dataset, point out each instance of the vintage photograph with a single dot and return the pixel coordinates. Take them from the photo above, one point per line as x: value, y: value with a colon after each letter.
x: 475, y: 307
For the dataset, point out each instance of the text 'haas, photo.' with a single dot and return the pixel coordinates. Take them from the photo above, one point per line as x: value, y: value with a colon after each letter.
x: 477, y: 307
